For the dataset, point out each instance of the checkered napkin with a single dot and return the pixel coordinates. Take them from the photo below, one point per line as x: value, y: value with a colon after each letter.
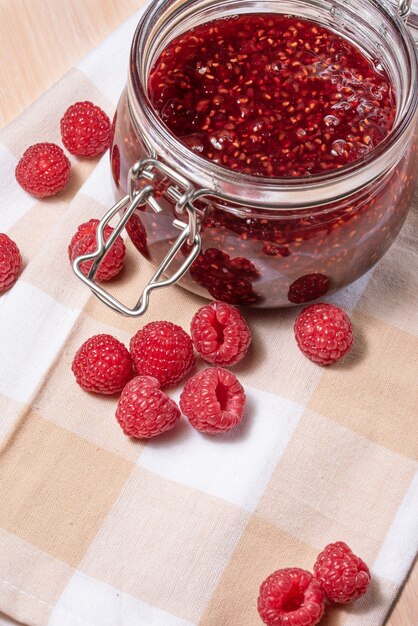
x: 99, y: 530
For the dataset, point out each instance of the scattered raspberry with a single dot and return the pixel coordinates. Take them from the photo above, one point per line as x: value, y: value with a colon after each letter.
x: 343, y: 575
x: 84, y: 242
x: 43, y: 170
x: 220, y: 334
x: 102, y: 365
x: 291, y: 597
x: 162, y: 350
x: 307, y: 288
x: 10, y: 262
x: 86, y: 130
x: 144, y: 410
x: 213, y: 400
x: 323, y: 333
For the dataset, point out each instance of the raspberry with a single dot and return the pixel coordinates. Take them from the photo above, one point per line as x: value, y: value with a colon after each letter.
x: 84, y: 242
x: 213, y: 400
x: 102, y: 365
x: 86, y: 130
x: 323, y: 333
x: 291, y: 597
x: 115, y: 164
x: 220, y: 334
x: 43, y: 170
x: 226, y: 279
x: 235, y: 291
x: 307, y: 288
x: 144, y: 411
x: 162, y: 350
x: 343, y: 575
x: 137, y: 233
x: 10, y: 262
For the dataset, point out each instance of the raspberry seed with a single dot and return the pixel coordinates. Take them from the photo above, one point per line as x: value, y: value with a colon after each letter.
x: 162, y: 350
x: 43, y: 170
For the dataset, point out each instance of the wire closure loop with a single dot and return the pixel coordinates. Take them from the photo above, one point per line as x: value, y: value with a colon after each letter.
x: 183, y: 193
x: 404, y: 9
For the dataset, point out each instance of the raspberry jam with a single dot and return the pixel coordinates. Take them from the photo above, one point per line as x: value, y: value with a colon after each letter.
x: 271, y: 95
x: 288, y: 128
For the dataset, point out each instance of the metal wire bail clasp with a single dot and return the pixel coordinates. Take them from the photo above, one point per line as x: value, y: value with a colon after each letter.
x: 182, y: 193
x: 404, y: 9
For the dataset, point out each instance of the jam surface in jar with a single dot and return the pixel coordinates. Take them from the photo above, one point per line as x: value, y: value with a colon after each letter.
x: 272, y: 95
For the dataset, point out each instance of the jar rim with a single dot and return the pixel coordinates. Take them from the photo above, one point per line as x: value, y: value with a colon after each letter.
x: 287, y: 191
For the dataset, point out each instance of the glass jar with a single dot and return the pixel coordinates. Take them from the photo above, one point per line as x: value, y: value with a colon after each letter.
x: 247, y: 240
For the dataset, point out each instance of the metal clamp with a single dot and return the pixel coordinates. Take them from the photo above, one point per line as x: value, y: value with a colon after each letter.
x: 183, y: 193
x: 404, y: 9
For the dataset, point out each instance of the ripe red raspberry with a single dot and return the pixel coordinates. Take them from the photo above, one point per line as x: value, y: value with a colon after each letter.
x: 86, y: 130
x: 220, y: 334
x: 102, y: 365
x: 115, y: 164
x: 307, y: 288
x: 213, y: 400
x: 323, y: 333
x: 343, y: 575
x: 162, y: 350
x: 137, y: 233
x: 10, y: 262
x: 144, y: 411
x: 226, y: 279
x: 84, y: 242
x: 291, y: 597
x: 43, y: 170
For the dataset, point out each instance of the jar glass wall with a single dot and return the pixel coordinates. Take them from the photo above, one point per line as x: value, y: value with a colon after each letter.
x: 274, y: 242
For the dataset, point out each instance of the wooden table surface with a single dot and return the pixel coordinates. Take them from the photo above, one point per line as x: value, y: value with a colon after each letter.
x: 42, y: 39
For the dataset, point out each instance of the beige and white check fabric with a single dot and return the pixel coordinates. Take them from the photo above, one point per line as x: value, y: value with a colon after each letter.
x: 100, y: 530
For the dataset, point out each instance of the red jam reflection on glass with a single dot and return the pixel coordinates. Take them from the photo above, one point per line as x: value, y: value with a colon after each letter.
x: 271, y: 95
x: 276, y: 96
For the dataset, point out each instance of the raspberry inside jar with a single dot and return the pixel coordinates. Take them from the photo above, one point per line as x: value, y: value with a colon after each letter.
x: 297, y: 134
x: 272, y: 95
